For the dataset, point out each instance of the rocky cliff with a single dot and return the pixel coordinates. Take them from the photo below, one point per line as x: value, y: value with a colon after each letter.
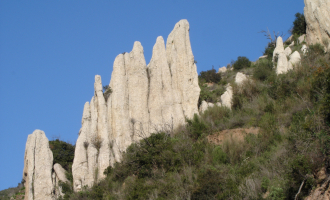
x: 144, y: 99
x: 317, y: 16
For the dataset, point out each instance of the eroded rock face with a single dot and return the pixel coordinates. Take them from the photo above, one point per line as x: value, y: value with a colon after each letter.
x: 38, y: 164
x: 144, y: 99
x: 222, y: 69
x: 317, y: 16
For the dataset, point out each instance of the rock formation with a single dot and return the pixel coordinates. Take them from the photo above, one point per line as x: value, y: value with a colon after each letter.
x: 240, y: 78
x: 282, y: 64
x: 317, y: 16
x: 58, y: 175
x: 226, y: 98
x: 294, y: 59
x: 206, y: 105
x: 38, y: 165
x: 304, y: 49
x: 222, y: 70
x: 301, y: 38
x: 279, y: 48
x: 144, y: 99
x: 287, y: 51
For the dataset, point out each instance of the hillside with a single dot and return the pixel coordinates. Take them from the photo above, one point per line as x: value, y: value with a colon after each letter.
x: 251, y: 130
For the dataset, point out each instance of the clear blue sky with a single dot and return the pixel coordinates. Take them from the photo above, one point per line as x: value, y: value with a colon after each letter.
x: 51, y: 50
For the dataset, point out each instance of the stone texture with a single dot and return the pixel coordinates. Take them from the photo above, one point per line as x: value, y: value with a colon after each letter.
x: 287, y: 51
x: 304, y: 49
x: 301, y: 39
x: 160, y: 102
x: 294, y: 59
x: 38, y: 164
x: 240, y: 78
x: 60, y: 172
x: 317, y: 16
x: 279, y: 48
x: 58, y: 175
x: 226, y: 98
x: 203, y: 107
x: 183, y: 69
x: 282, y: 64
x: 222, y: 70
x: 218, y: 104
x: 321, y: 192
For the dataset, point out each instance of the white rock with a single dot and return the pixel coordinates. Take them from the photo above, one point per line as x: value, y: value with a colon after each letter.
x: 203, y: 107
x: 218, y: 104
x: 264, y: 56
x: 160, y: 102
x: 317, y: 16
x: 183, y: 69
x: 38, y: 165
x: 240, y: 78
x: 294, y: 59
x: 282, y: 64
x: 292, y: 44
x: 287, y: 51
x: 279, y: 47
x: 222, y: 70
x: 80, y: 165
x: 304, y: 49
x: 226, y: 98
x: 301, y: 39
x: 60, y: 172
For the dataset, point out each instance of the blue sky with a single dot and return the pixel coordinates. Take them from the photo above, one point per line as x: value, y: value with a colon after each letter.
x: 50, y: 52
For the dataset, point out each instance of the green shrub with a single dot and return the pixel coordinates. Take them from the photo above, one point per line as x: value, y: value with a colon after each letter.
x: 196, y: 127
x: 269, y: 50
x: 299, y: 24
x: 241, y: 62
x: 219, y: 156
x: 263, y: 69
x: 210, y: 76
x: 107, y: 92
x: 63, y: 153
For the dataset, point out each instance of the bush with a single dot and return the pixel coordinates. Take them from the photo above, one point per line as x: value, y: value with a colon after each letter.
x: 107, y: 92
x: 196, y: 127
x: 63, y: 153
x: 299, y: 24
x: 241, y: 62
x: 210, y: 76
x: 263, y: 69
x: 269, y: 50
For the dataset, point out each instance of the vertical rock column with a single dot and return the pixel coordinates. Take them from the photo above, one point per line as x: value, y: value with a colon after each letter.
x: 184, y: 72
x: 38, y: 164
x: 160, y: 102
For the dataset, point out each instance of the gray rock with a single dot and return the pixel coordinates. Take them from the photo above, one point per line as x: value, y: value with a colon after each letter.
x: 222, y: 70
x: 294, y: 60
x: 240, y: 78
x: 287, y: 51
x: 279, y: 47
x: 226, y: 98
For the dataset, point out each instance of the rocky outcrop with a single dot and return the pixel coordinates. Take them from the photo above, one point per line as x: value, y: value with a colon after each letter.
x: 222, y: 70
x: 282, y: 64
x: 38, y: 165
x: 206, y: 105
x: 57, y: 176
x: 226, y: 98
x: 317, y: 16
x: 294, y: 60
x: 304, y: 49
x: 240, y: 78
x: 287, y: 51
x: 279, y: 48
x: 144, y: 99
x: 301, y: 38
